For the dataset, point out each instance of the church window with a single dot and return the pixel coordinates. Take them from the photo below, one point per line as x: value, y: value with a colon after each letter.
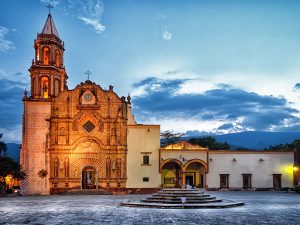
x: 46, y: 54
x: 57, y: 58
x: 89, y: 126
x: 145, y: 179
x: 224, y: 180
x: 146, y: 159
x: 44, y: 87
x: 56, y: 87
x: 246, y: 180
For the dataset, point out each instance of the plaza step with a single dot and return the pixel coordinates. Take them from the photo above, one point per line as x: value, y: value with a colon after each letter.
x: 182, y: 198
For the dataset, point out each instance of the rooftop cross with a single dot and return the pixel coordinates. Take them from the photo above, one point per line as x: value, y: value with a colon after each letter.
x: 49, y: 6
x: 88, y: 73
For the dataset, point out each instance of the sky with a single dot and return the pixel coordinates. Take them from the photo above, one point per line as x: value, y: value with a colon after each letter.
x: 203, y: 67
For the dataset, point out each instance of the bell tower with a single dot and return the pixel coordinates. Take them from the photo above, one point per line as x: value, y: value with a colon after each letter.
x: 47, y: 71
x: 48, y: 78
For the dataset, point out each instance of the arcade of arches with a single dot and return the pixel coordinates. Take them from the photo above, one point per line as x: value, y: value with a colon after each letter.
x: 175, y: 174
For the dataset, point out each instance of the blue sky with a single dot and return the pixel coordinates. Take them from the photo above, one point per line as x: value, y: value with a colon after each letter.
x: 209, y: 66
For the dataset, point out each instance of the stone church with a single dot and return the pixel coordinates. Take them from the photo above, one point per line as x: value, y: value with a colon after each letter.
x: 81, y: 138
x: 87, y: 138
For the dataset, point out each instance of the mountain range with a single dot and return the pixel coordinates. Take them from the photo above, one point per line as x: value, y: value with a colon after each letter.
x: 255, y: 140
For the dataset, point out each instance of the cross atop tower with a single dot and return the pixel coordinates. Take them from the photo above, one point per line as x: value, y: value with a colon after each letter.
x: 49, y: 6
x: 88, y: 73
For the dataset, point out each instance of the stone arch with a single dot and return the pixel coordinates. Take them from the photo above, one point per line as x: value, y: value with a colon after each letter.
x: 204, y: 164
x: 195, y: 173
x: 89, y: 177
x: 44, y: 82
x: 56, y: 86
x: 171, y: 173
x: 46, y: 55
x: 170, y: 160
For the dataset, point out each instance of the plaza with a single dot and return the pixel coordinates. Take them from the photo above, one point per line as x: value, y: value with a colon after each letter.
x: 260, y: 208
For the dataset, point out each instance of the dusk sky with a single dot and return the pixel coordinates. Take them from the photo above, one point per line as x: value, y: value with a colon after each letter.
x: 206, y: 65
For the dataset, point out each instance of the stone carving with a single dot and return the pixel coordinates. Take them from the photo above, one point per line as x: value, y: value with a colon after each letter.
x: 55, y: 167
x: 108, y: 169
x: 67, y: 167
x: 119, y: 165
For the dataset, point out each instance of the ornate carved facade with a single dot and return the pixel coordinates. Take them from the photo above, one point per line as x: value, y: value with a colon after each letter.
x: 88, y: 128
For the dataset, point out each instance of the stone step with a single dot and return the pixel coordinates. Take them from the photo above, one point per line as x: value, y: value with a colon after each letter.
x: 179, y: 198
x: 184, y: 194
x: 179, y: 201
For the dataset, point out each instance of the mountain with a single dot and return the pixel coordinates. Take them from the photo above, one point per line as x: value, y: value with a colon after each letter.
x: 256, y: 140
x: 13, y: 151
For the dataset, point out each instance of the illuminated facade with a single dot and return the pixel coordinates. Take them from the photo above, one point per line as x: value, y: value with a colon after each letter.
x: 87, y: 138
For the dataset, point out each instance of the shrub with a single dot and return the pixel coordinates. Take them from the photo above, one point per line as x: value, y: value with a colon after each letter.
x: 297, y: 189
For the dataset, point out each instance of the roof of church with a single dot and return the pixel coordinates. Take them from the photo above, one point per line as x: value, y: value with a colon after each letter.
x: 49, y: 27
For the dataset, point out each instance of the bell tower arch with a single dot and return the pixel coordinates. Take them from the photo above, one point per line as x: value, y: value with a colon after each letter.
x: 47, y: 71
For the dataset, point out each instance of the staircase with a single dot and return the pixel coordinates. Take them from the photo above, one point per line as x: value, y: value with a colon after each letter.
x: 182, y: 198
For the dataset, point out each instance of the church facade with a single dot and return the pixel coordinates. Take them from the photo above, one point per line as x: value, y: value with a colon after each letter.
x: 88, y: 139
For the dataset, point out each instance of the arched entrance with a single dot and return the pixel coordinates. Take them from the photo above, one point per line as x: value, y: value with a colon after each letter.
x: 195, y: 171
x: 89, y: 177
x: 171, y: 174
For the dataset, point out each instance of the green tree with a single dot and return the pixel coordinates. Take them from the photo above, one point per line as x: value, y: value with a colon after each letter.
x: 210, y: 142
x: 169, y: 137
x: 3, y: 148
x: 9, y: 167
x: 295, y: 145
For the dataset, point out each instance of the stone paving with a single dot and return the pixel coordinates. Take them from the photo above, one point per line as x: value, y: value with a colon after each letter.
x: 261, y: 208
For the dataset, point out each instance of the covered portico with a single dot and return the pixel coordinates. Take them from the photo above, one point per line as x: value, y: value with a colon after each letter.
x: 183, y: 164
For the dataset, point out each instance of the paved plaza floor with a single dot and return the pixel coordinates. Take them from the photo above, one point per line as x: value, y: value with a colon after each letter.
x: 260, y: 208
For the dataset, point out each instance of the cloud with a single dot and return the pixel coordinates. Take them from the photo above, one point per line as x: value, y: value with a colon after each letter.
x: 297, y: 87
x: 5, y: 44
x: 11, y: 94
x: 167, y: 35
x: 90, y: 12
x: 94, y: 23
x: 225, y: 108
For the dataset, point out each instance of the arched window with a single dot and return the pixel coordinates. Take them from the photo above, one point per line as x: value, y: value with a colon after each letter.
x: 57, y: 58
x: 56, y: 87
x: 46, y: 54
x: 44, y: 87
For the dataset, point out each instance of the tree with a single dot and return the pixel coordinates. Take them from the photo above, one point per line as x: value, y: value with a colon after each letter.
x: 210, y: 142
x: 8, y: 167
x: 3, y: 148
x: 169, y: 137
x: 295, y: 145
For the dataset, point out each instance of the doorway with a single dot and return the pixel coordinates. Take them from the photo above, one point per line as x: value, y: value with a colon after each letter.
x: 189, y: 180
x: 89, y: 180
